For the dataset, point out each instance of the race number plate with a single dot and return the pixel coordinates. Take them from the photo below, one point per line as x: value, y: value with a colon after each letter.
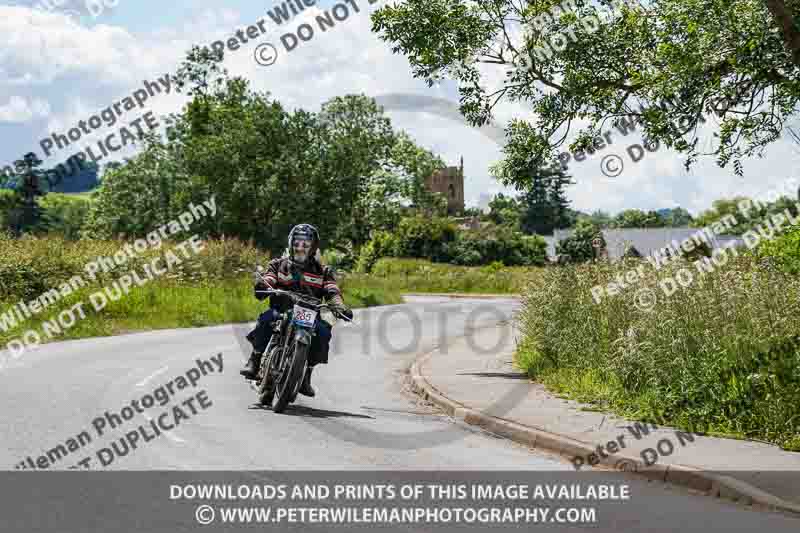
x: 304, y: 317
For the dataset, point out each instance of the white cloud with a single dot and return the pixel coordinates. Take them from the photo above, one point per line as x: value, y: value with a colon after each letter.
x: 49, y: 52
x: 19, y: 109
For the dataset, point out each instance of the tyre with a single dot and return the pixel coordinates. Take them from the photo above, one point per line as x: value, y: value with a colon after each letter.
x: 291, y: 381
x: 266, y: 390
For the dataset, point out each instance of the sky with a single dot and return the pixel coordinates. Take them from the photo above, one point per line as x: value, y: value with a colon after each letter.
x: 62, y: 61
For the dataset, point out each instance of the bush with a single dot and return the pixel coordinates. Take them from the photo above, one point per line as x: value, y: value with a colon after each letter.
x: 382, y: 244
x: 509, y: 248
x: 338, y: 260
x: 721, y: 354
x: 700, y: 251
x: 784, y: 251
x: 65, y: 214
x: 424, y: 237
x: 437, y: 240
x: 33, y: 265
x: 578, y: 248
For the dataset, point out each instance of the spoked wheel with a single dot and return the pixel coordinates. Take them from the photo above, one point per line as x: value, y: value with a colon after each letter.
x: 266, y: 390
x: 289, y: 380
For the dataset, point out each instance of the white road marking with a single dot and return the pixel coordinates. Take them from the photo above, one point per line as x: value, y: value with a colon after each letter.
x: 151, y: 376
x: 169, y: 435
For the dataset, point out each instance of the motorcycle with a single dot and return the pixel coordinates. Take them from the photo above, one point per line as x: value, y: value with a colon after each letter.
x: 286, y: 358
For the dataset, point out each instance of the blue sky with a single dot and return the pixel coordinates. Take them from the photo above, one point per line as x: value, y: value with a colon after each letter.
x: 56, y: 70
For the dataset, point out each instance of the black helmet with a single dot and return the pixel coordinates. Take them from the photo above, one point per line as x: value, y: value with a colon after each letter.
x: 305, y: 232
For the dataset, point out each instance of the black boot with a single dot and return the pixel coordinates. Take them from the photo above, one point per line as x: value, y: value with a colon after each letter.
x: 305, y: 388
x: 250, y: 371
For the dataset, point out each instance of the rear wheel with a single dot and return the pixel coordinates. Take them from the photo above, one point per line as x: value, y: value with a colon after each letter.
x: 288, y: 383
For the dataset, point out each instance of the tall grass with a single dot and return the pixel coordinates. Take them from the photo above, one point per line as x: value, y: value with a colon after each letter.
x: 211, y: 287
x: 419, y: 275
x: 722, y: 354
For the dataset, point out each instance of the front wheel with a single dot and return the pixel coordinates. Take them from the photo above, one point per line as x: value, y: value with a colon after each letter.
x: 291, y: 379
x: 266, y: 389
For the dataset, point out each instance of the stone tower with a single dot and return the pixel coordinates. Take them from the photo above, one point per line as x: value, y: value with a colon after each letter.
x: 449, y: 181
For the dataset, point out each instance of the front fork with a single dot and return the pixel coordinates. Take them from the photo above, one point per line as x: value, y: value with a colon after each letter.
x: 302, y: 341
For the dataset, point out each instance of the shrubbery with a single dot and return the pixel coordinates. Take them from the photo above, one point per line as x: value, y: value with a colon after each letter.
x: 721, y: 354
x: 211, y: 287
x: 784, y: 251
x: 511, y: 249
x: 577, y: 248
x: 33, y: 265
x: 62, y: 214
x: 437, y: 240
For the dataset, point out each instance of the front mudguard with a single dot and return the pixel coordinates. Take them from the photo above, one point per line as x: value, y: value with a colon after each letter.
x: 303, y: 336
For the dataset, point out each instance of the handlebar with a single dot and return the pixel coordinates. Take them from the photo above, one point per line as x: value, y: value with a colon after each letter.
x: 295, y: 297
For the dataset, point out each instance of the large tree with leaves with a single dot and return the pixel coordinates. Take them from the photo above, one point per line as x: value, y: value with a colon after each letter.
x: 544, y: 203
x: 739, y: 59
x: 343, y: 168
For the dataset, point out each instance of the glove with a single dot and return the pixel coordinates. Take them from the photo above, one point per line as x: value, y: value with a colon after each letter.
x: 345, y: 312
x: 258, y: 275
x: 259, y: 287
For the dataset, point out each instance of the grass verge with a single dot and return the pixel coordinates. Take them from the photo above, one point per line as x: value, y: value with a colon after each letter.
x: 211, y: 288
x: 721, y: 355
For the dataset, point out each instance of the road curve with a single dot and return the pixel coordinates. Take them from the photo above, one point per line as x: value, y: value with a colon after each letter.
x: 363, y: 417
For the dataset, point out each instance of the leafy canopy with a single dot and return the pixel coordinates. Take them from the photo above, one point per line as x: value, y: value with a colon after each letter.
x: 739, y: 59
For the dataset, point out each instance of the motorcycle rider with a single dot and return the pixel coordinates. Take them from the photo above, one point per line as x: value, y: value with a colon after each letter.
x: 299, y: 270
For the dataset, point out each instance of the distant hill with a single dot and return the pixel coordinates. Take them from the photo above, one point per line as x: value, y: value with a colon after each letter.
x: 83, y: 181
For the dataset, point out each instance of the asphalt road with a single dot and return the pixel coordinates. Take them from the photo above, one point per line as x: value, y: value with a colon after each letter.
x: 363, y: 417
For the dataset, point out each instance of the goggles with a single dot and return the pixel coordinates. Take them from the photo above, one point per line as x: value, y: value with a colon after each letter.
x: 302, y: 242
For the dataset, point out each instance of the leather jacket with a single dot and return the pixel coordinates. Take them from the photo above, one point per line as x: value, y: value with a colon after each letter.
x: 314, y: 280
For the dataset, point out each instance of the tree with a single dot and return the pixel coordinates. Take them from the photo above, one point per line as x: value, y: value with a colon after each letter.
x: 545, y: 205
x: 505, y: 210
x: 635, y: 218
x: 24, y: 212
x: 579, y: 247
x: 410, y: 165
x: 358, y: 140
x: 666, y: 64
x: 343, y: 169
x: 677, y: 217
x: 599, y: 218
x: 729, y: 208
x: 785, y: 18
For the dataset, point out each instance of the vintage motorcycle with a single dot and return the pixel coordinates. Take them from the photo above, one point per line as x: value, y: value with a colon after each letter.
x: 286, y: 357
